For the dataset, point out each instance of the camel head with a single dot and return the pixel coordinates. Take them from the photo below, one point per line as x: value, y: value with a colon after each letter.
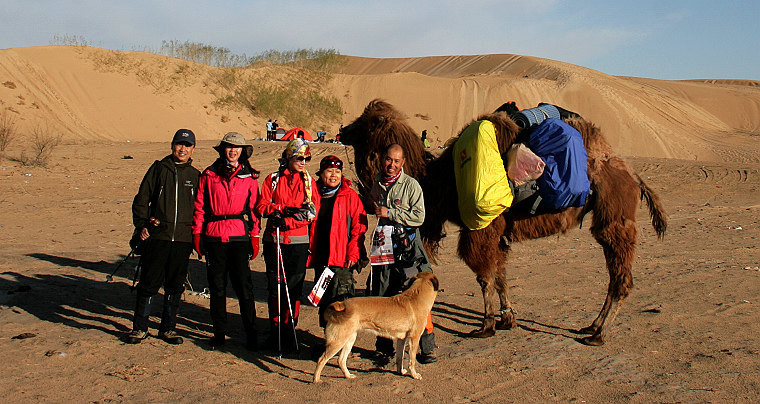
x: 379, y: 126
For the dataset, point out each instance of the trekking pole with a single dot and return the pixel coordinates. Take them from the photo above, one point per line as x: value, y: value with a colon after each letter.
x: 109, y: 277
x: 136, y: 277
x: 287, y: 293
x: 279, y: 305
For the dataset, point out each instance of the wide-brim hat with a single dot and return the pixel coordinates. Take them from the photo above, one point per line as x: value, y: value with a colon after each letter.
x: 234, y: 139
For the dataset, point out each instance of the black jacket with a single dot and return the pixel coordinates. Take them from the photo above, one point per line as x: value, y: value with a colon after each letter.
x: 167, y: 193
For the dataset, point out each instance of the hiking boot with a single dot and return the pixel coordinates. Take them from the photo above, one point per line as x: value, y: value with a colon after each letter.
x: 424, y: 358
x: 135, y: 336
x: 170, y: 337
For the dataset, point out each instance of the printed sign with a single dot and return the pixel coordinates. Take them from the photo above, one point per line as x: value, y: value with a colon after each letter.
x: 320, y: 286
x: 382, y: 246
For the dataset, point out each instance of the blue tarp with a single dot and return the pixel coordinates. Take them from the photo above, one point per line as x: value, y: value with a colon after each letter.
x: 565, y: 180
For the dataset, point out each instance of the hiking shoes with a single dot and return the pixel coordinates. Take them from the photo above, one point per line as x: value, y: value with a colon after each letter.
x: 135, y: 336
x: 424, y: 358
x: 170, y: 337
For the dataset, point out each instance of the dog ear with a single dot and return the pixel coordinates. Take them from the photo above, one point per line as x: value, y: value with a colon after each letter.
x: 434, y: 281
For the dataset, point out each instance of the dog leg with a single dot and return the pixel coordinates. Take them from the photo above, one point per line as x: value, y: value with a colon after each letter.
x: 400, y: 349
x: 331, y: 348
x: 414, y: 344
x: 344, y: 356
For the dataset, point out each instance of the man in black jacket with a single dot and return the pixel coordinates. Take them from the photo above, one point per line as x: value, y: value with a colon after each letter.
x: 162, y: 213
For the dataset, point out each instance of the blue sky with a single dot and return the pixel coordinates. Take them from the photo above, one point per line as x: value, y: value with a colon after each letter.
x: 677, y: 39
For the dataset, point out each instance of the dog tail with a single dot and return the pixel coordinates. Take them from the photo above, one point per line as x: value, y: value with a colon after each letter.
x: 334, y: 311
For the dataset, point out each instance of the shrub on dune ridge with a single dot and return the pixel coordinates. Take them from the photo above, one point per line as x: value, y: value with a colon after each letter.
x: 292, y: 94
x: 286, y: 84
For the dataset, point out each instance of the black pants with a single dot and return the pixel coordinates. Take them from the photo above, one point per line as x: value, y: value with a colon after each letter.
x: 164, y: 263
x: 230, y: 261
x: 294, y: 261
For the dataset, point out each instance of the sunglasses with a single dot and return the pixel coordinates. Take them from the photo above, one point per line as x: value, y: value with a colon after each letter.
x: 332, y: 164
x: 302, y: 158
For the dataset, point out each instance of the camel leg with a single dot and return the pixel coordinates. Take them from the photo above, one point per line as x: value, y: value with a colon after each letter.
x: 508, y: 319
x: 487, y: 286
x: 618, y: 241
x: 481, y: 251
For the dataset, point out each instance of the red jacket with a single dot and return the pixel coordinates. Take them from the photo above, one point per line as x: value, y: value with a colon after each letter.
x: 289, y: 192
x: 218, y: 196
x: 349, y: 223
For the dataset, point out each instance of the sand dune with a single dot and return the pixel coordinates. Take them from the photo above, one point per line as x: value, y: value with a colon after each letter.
x: 96, y: 94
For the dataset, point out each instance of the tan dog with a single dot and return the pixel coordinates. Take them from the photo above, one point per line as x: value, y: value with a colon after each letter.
x: 401, y: 317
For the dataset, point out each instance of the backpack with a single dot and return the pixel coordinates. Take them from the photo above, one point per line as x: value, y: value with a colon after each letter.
x: 564, y: 182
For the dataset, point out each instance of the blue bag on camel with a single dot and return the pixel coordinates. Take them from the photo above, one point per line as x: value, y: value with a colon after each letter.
x: 565, y: 180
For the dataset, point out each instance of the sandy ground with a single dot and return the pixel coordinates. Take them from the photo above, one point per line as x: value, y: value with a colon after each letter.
x: 688, y: 332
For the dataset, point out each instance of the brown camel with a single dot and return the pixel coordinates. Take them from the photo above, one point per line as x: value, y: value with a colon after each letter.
x: 616, y: 190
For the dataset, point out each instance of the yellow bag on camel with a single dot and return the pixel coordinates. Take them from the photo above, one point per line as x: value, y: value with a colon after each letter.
x: 482, y: 186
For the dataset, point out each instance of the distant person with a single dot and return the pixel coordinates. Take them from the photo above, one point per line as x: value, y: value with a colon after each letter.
x: 337, y: 136
x: 226, y: 230
x: 162, y: 213
x: 275, y: 125
x: 269, y: 129
x: 424, y: 139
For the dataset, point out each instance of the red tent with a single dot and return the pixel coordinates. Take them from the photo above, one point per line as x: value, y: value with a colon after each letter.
x: 297, y: 133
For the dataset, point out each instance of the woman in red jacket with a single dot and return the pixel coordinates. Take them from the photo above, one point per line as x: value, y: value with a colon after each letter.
x: 226, y: 230
x: 290, y: 202
x: 337, y: 235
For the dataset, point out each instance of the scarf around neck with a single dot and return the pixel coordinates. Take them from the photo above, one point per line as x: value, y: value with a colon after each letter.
x: 387, y: 181
x: 326, y: 191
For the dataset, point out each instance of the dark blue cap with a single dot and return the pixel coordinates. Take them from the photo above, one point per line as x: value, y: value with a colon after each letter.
x: 184, y: 136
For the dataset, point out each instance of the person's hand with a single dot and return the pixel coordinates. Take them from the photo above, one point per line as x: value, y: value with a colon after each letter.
x: 254, y: 247
x: 301, y: 213
x: 381, y: 211
x: 290, y: 211
x: 197, y: 245
x: 350, y: 264
x: 276, y: 221
x: 144, y: 234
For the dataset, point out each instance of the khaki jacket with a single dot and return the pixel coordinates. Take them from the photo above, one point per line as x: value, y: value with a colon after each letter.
x: 404, y: 200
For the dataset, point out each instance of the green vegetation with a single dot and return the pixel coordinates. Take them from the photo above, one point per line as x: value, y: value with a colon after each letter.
x: 288, y: 85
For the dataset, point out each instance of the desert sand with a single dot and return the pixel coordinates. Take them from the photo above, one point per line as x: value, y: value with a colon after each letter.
x: 687, y: 333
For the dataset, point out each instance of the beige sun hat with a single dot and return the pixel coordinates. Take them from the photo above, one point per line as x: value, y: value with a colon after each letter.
x: 234, y: 139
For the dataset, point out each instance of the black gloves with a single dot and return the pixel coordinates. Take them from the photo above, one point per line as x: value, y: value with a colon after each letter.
x: 276, y: 220
x: 290, y: 211
x: 301, y: 213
